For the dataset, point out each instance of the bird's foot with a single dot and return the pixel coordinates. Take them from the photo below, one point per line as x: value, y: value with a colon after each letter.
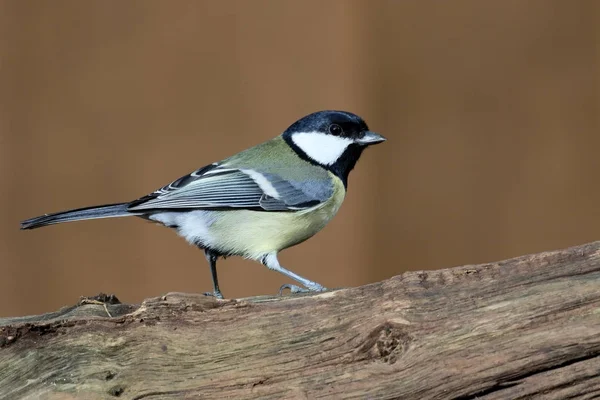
x: 216, y: 294
x: 313, y: 287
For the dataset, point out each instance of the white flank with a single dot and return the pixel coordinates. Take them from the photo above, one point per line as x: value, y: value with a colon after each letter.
x: 193, y: 225
x: 262, y: 182
x: 324, y: 149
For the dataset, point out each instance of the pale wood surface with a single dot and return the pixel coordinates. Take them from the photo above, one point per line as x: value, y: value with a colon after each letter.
x: 522, y: 328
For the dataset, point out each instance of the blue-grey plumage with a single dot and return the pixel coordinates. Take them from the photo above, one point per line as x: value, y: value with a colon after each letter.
x: 258, y: 202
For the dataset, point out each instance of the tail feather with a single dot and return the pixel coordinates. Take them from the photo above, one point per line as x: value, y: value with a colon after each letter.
x: 105, y: 211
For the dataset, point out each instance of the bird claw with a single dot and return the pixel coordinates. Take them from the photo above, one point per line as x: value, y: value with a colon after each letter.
x: 297, y: 289
x: 216, y: 295
x: 293, y: 289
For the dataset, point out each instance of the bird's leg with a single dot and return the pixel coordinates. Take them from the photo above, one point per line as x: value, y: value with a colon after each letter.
x: 271, y: 262
x: 211, y: 257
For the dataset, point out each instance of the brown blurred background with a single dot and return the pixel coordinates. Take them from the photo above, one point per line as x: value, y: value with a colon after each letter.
x: 491, y: 110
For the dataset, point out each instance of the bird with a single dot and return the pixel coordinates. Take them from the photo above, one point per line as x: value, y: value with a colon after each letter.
x: 257, y: 202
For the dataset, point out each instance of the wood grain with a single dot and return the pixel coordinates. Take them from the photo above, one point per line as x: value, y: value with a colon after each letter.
x: 528, y: 327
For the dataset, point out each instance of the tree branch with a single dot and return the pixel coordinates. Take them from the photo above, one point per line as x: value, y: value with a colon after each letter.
x: 521, y: 328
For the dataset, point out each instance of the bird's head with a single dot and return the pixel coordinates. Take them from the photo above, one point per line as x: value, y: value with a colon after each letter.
x: 332, y: 139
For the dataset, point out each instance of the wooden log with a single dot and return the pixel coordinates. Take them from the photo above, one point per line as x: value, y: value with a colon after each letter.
x: 528, y: 327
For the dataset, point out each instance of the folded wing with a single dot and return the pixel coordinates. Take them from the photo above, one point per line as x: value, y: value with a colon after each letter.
x: 217, y: 187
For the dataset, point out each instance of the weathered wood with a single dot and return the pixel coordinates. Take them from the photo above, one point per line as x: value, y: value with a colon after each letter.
x: 522, y: 328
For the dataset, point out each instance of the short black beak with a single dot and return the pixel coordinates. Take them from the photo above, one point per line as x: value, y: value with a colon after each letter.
x: 370, y: 138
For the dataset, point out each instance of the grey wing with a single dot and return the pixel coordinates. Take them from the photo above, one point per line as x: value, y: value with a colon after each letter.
x: 218, y: 187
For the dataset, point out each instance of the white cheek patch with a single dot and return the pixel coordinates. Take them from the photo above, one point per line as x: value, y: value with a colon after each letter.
x: 324, y: 149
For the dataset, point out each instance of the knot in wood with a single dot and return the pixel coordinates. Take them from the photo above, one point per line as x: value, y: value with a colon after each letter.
x: 387, y: 342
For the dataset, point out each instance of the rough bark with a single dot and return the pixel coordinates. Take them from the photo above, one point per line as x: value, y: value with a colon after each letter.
x: 522, y: 328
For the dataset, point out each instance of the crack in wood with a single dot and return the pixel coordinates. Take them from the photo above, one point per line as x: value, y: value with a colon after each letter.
x: 516, y: 378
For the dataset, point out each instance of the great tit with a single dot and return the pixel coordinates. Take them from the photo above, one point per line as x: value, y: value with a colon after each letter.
x: 257, y: 202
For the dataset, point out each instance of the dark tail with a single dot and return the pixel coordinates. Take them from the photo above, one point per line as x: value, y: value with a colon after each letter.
x: 106, y: 211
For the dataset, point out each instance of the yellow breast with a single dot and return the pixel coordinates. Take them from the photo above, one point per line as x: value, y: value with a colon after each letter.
x: 252, y: 234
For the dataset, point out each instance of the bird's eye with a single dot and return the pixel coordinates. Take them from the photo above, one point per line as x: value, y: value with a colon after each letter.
x: 335, y: 130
